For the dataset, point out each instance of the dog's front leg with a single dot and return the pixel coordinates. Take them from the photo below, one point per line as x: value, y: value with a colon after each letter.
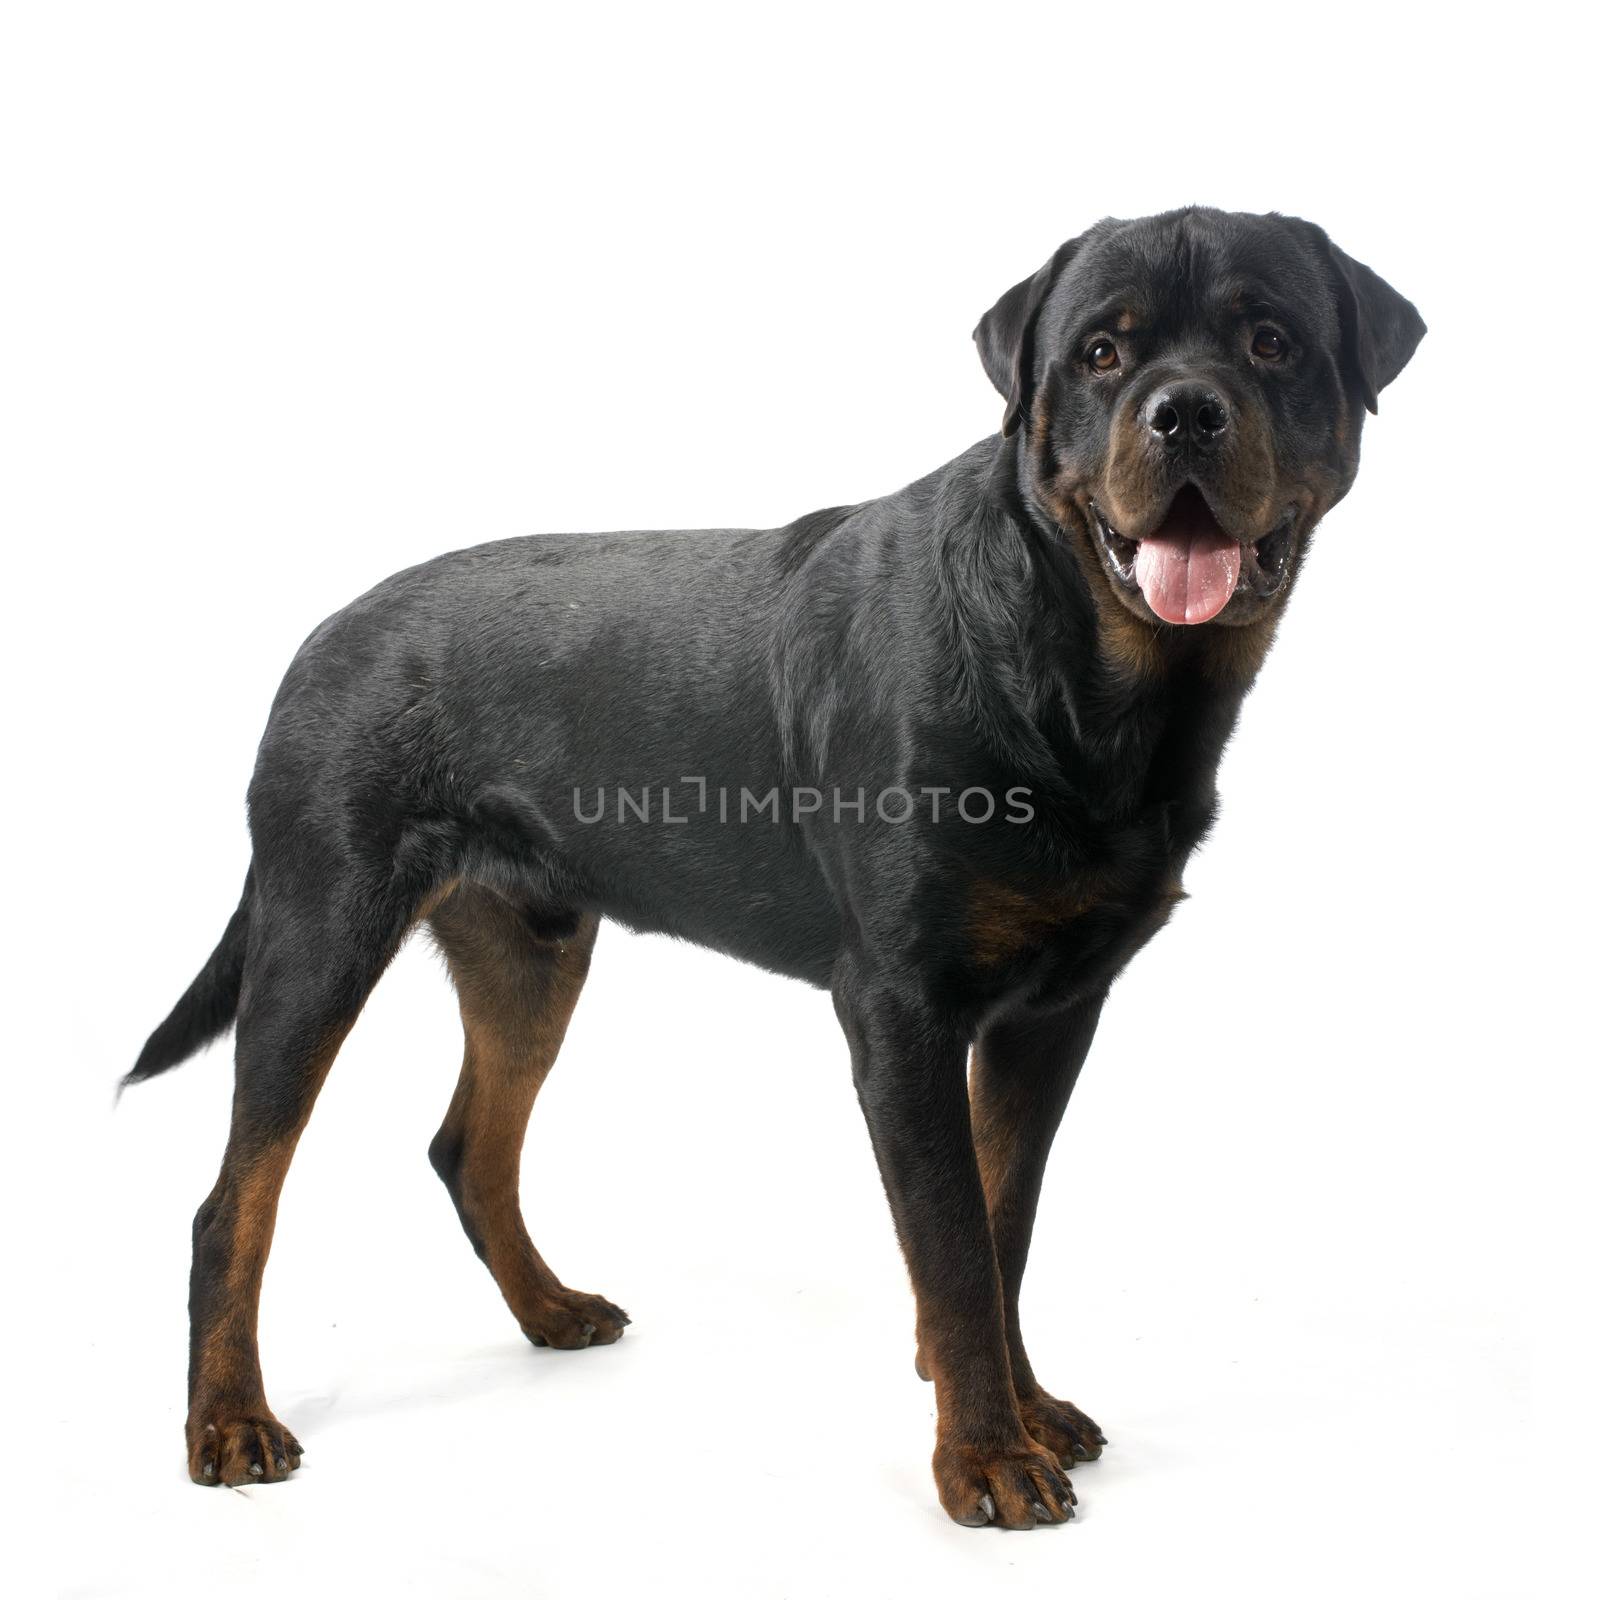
x: 910, y: 1073
x: 1023, y: 1072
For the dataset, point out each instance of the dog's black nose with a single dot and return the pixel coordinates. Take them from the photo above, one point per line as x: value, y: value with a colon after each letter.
x: 1186, y: 413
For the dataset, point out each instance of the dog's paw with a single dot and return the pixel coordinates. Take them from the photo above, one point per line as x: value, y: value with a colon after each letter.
x: 568, y: 1320
x: 236, y: 1450
x: 1062, y: 1428
x: 1023, y: 1487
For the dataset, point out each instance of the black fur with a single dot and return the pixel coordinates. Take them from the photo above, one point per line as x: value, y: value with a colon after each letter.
x: 208, y: 1006
x: 969, y: 633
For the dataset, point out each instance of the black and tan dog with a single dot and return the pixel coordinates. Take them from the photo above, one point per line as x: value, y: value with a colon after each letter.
x: 945, y: 753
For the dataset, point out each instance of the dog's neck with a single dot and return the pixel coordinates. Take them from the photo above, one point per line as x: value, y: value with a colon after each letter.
x: 1143, y: 710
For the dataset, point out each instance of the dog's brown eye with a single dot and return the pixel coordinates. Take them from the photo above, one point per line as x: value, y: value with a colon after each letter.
x: 1268, y: 345
x: 1103, y: 356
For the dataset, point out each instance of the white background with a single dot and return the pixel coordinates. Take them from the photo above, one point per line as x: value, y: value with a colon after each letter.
x: 297, y: 295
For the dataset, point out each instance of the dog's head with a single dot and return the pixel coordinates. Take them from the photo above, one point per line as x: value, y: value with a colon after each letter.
x: 1191, y: 389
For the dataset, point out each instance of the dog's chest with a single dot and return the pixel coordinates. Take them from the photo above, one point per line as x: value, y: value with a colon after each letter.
x: 1067, y: 938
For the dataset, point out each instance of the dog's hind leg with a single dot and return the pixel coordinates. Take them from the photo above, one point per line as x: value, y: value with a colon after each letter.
x: 314, y: 955
x: 517, y: 980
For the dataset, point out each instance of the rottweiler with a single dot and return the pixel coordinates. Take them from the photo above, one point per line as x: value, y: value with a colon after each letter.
x: 945, y: 753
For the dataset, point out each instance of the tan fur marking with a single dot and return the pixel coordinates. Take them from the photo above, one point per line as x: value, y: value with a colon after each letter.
x: 1003, y: 921
x: 517, y: 993
x: 434, y: 899
x: 250, y: 1188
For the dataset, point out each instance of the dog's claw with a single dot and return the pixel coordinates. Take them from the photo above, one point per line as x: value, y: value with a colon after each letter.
x: 1017, y: 1486
x: 567, y: 1319
x: 241, y: 1450
x: 1060, y: 1426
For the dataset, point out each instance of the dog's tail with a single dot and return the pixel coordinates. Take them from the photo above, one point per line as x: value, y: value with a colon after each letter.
x: 208, y: 1006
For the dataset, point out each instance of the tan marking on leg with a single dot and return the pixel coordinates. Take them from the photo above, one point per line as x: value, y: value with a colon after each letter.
x: 247, y: 1193
x: 517, y: 991
x: 434, y: 899
x: 233, y: 1436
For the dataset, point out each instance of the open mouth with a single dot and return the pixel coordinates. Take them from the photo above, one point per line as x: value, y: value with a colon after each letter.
x: 1188, y: 568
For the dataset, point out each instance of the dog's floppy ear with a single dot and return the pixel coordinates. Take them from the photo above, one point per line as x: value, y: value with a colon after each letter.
x: 1005, y: 336
x: 1379, y: 328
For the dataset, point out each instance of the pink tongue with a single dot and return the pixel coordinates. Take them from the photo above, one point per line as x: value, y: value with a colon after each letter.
x: 1187, y: 568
